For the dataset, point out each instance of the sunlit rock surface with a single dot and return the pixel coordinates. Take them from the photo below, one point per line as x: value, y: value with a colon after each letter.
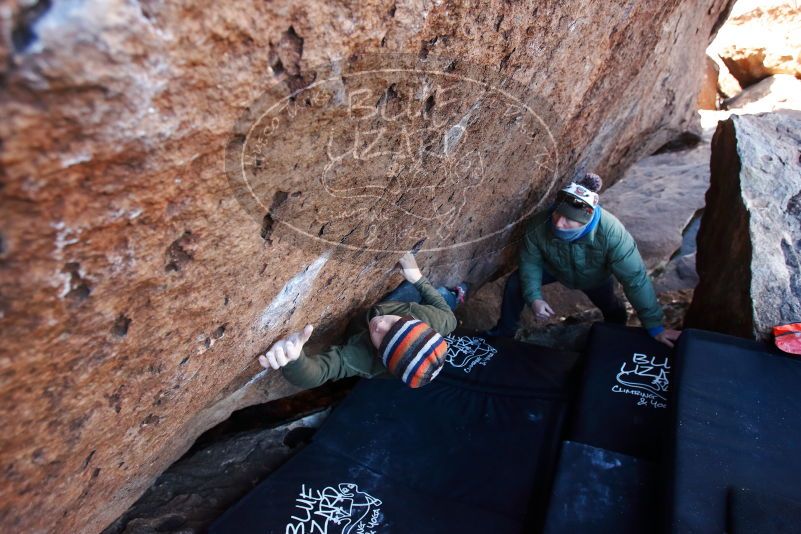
x: 708, y: 96
x: 762, y: 37
x: 780, y: 91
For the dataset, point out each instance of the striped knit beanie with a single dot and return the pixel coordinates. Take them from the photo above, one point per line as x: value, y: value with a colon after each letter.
x: 413, y: 351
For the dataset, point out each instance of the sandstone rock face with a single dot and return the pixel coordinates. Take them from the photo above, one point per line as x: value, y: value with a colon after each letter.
x: 708, y: 97
x: 761, y: 38
x: 139, y: 279
x: 750, y: 236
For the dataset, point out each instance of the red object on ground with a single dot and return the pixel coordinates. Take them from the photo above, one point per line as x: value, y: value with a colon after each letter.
x: 788, y: 337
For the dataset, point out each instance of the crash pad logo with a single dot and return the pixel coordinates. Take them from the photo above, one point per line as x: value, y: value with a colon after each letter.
x: 645, y: 378
x: 378, y: 153
x: 336, y: 510
x: 465, y: 352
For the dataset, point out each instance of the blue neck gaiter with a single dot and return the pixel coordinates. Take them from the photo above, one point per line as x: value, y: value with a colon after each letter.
x: 578, y: 233
x: 568, y: 235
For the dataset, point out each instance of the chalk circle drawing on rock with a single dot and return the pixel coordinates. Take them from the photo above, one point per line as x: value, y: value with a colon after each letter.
x: 465, y: 352
x: 343, y: 509
x: 379, y: 152
x: 645, y: 378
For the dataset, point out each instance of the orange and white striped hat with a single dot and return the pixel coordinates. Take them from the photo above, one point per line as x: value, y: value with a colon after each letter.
x: 413, y: 351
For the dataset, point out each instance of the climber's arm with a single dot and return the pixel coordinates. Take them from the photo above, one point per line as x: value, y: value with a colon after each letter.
x: 530, y: 267
x: 628, y: 267
x: 339, y: 361
x: 437, y: 312
x: 311, y: 371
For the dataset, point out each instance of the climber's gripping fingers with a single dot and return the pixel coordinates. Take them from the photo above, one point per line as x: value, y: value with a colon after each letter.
x: 411, y: 272
x: 286, y: 350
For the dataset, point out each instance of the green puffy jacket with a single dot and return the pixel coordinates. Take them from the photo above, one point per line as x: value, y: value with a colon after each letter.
x: 587, y: 262
x: 358, y: 356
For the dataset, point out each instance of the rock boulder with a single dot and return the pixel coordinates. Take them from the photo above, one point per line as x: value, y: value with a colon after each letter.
x: 761, y: 38
x: 165, y: 168
x: 708, y: 97
x: 780, y: 91
x: 748, y: 255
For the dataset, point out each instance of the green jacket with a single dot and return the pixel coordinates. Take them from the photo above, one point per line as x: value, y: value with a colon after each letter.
x: 358, y: 356
x: 587, y: 262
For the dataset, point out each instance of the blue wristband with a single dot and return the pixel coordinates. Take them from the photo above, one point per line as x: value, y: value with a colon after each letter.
x: 655, y: 330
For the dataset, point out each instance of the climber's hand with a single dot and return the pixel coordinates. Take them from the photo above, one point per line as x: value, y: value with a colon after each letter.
x: 668, y: 337
x: 286, y: 350
x: 411, y: 272
x: 541, y: 309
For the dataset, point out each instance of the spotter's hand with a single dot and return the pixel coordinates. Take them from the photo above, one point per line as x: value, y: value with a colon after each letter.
x: 668, y: 337
x: 542, y: 311
x: 286, y: 350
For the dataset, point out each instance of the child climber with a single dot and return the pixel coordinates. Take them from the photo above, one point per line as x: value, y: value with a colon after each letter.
x: 577, y: 243
x: 402, y: 336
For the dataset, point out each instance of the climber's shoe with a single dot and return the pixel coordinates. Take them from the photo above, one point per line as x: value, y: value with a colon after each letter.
x: 460, y: 291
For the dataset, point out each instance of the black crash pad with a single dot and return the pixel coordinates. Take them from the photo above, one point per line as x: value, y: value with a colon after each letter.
x: 524, y: 369
x: 474, y: 451
x: 623, y: 392
x: 737, y: 424
x: 319, y: 490
x: 602, y: 491
x: 750, y: 511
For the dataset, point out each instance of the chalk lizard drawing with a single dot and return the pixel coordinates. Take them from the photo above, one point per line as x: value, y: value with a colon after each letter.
x: 348, y: 509
x: 465, y: 352
x: 646, y: 374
